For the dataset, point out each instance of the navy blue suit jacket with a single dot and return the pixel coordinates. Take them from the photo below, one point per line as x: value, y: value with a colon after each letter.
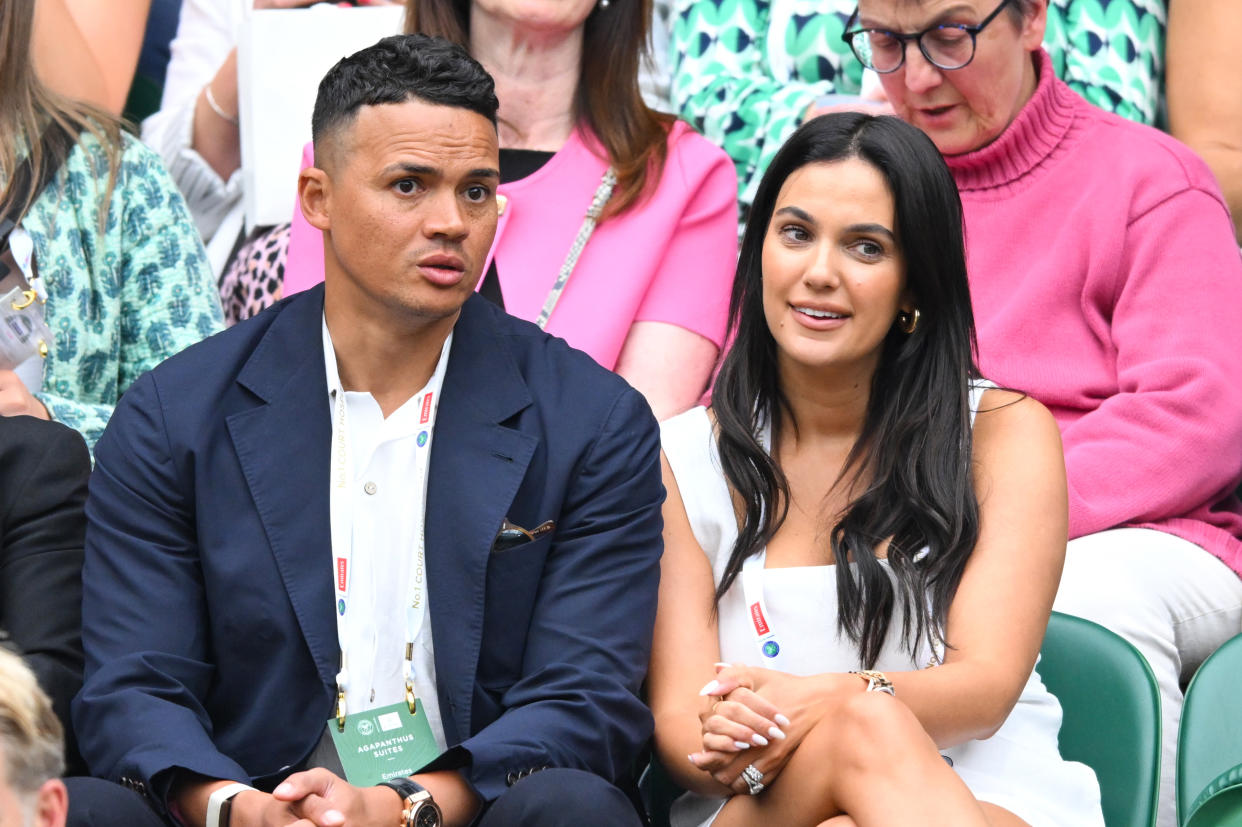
x: 208, y: 601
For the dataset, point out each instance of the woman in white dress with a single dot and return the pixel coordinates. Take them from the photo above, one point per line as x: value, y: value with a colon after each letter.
x: 844, y: 430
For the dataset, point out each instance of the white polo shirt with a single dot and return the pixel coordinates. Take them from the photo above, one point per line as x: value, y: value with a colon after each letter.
x: 388, y: 517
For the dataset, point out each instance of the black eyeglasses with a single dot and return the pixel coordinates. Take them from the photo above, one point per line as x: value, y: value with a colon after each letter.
x: 946, y: 45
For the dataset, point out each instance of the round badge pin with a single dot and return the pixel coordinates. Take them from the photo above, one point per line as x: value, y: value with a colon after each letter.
x: 771, y: 649
x: 422, y: 438
x: 340, y: 606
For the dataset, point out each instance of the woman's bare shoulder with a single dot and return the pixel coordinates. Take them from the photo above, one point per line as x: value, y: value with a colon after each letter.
x: 1008, y: 420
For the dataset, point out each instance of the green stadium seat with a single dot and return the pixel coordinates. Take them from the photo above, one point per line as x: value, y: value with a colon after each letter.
x: 1209, y: 753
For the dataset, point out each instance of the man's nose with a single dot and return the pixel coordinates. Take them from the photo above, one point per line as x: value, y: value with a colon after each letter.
x: 445, y: 217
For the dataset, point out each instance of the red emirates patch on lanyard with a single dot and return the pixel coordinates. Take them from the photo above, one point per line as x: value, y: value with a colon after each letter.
x: 756, y: 617
x: 342, y: 573
x: 425, y: 416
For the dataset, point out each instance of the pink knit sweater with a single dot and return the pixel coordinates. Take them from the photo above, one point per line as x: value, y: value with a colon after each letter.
x: 1106, y: 283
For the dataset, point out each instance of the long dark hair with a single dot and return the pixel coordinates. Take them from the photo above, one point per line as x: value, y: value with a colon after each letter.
x: 912, y: 460
x: 608, y: 101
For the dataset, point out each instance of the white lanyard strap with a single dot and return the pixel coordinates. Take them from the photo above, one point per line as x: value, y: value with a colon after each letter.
x: 342, y: 499
x: 752, y: 580
x: 757, y: 610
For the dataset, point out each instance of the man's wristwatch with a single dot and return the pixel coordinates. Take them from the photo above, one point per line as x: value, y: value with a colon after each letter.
x: 420, y: 809
x: 876, y: 681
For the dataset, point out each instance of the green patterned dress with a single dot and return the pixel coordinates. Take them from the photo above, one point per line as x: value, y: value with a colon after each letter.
x: 121, y: 301
x: 745, y: 71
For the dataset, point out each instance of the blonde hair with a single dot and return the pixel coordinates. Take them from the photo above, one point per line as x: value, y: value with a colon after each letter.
x: 31, y: 738
x: 27, y: 107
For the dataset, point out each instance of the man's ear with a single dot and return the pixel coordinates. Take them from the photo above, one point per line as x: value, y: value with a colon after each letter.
x: 314, y: 195
x: 52, y: 804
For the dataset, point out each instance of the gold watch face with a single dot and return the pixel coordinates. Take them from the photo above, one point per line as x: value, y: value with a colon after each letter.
x: 426, y: 814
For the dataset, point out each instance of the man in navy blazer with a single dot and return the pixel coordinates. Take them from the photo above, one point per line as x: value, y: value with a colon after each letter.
x: 209, y: 625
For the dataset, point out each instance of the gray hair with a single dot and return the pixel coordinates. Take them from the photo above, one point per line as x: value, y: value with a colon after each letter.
x: 31, y: 738
x: 1019, y: 10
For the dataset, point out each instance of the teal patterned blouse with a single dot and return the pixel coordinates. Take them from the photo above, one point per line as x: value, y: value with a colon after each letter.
x: 745, y: 71
x: 121, y: 301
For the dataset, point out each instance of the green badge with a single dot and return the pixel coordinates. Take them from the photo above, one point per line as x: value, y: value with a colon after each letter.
x: 383, y: 743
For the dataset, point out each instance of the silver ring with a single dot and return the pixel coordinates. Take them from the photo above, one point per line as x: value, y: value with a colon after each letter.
x: 753, y: 779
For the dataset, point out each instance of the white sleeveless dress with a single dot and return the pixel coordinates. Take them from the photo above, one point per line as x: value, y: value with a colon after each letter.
x: 1018, y: 768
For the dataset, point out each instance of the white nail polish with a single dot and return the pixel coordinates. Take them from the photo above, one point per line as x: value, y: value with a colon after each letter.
x: 773, y: 732
x: 741, y: 745
x: 690, y: 758
x: 781, y: 719
x: 759, y: 740
x: 710, y: 688
x: 723, y: 665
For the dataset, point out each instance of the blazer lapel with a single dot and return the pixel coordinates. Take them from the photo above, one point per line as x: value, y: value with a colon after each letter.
x: 283, y: 447
x: 477, y: 465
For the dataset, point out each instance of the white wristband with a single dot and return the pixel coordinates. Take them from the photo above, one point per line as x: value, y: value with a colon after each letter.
x: 217, y: 799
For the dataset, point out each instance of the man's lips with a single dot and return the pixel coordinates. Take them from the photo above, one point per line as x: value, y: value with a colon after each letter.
x: 443, y: 261
x: 442, y: 269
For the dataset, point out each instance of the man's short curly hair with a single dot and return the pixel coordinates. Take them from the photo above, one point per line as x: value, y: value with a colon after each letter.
x: 398, y: 69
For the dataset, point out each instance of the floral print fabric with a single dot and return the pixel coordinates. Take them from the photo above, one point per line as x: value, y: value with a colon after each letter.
x: 123, y: 299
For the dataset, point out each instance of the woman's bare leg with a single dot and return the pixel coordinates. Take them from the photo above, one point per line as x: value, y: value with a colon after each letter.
x: 997, y: 817
x: 1000, y: 817
x: 871, y: 759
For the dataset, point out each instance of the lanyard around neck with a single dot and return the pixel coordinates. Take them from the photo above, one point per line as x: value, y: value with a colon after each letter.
x: 602, y: 193
x: 342, y: 501
x: 757, y: 609
x: 752, y: 581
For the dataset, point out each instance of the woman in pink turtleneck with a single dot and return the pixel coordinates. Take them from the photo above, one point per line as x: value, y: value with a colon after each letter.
x: 1106, y: 283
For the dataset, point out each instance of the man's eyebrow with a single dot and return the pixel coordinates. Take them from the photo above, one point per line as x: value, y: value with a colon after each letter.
x: 799, y: 213
x: 410, y: 169
x: 432, y: 172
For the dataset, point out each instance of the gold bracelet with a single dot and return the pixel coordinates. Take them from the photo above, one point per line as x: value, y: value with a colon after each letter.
x: 215, y: 107
x: 876, y: 681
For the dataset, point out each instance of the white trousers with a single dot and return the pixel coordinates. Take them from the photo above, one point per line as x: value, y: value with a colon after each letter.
x: 1174, y: 601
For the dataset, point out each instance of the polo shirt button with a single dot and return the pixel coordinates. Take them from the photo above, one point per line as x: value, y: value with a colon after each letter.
x: 370, y: 488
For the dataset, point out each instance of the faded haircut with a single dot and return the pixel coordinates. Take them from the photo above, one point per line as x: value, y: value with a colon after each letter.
x: 397, y: 69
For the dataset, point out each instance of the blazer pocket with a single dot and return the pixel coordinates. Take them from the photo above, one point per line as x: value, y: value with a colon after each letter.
x: 512, y: 536
x: 513, y: 578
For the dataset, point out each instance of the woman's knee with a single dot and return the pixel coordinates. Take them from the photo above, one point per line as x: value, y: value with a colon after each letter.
x: 873, y: 730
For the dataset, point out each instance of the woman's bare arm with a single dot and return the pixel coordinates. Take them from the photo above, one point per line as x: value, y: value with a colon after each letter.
x: 685, y: 647
x: 88, y: 50
x: 1203, y: 81
x: 997, y: 620
x: 667, y: 364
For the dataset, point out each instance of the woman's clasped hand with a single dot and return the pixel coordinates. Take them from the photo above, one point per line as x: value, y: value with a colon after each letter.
x: 758, y: 717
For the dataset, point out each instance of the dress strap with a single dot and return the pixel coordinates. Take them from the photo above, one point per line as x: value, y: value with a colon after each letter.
x: 977, y: 388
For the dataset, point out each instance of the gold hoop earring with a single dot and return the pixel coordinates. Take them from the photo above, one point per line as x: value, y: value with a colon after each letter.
x: 908, y: 321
